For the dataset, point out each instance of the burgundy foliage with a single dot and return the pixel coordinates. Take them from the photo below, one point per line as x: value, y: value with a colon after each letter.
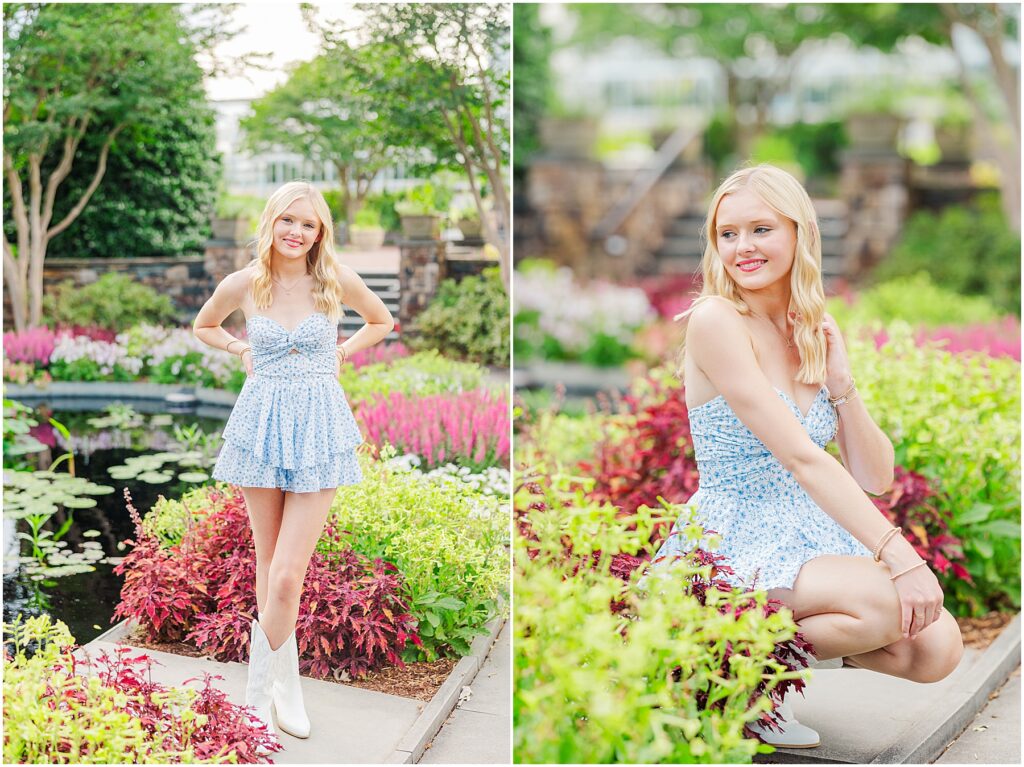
x: 352, y: 614
x: 227, y: 729
x: 908, y: 505
x: 655, y: 460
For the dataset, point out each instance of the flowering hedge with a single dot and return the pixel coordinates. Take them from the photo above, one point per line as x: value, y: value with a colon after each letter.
x: 472, y: 428
x: 158, y: 353
x: 555, y: 317
x: 53, y: 714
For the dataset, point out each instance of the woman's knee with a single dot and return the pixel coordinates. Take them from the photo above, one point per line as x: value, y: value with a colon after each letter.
x: 937, y: 651
x: 285, y: 581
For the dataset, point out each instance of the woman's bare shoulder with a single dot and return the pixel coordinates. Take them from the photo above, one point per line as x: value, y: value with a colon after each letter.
x: 712, y: 316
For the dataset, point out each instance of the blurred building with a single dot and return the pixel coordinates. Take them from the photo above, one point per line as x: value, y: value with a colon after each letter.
x: 635, y: 86
x: 260, y: 174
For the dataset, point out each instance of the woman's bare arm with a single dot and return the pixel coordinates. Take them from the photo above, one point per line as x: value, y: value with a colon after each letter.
x: 226, y: 298
x: 368, y: 305
x: 866, y: 451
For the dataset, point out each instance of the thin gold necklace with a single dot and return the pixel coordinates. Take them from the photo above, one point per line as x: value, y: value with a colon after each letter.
x: 788, y: 340
x: 288, y: 291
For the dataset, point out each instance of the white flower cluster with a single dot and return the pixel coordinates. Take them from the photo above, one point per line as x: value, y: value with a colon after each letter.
x: 160, y: 343
x: 494, y: 481
x: 573, y: 313
x: 103, y: 353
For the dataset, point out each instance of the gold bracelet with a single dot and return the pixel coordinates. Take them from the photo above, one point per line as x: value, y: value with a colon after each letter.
x: 246, y: 349
x: 904, y: 572
x: 232, y: 341
x: 887, y: 536
x: 340, y: 349
x: 846, y: 395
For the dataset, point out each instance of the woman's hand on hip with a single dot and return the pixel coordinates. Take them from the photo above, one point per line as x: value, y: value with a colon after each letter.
x: 920, y: 600
x: 247, y: 361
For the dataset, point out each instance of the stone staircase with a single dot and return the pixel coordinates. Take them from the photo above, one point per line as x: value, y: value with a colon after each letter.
x: 683, y: 245
x: 386, y: 286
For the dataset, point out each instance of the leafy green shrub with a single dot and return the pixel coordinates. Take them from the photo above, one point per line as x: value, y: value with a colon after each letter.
x: 560, y: 439
x: 421, y: 374
x: 955, y: 418
x: 114, y: 301
x: 615, y: 668
x: 115, y: 715
x: 368, y: 217
x: 967, y: 249
x: 467, y: 320
x: 384, y: 204
x: 915, y: 299
x: 448, y: 541
x: 816, y: 146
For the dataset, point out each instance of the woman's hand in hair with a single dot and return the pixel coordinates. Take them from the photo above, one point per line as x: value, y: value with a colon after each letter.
x: 837, y: 363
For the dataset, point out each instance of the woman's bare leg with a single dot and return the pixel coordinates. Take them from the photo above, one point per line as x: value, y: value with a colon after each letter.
x: 305, y: 515
x: 848, y: 607
x: 932, y: 656
x: 266, y: 508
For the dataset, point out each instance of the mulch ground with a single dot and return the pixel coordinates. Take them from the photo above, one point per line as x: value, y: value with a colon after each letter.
x: 417, y: 680
x: 980, y: 632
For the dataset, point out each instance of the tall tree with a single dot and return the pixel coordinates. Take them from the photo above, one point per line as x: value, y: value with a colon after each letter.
x: 106, y: 71
x: 531, y: 51
x: 329, y: 111
x: 452, y: 62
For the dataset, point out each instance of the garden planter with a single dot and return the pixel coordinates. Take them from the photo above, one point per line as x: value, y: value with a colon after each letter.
x: 232, y: 229
x: 368, y: 238
x: 471, y: 230
x: 570, y: 137
x: 421, y: 227
x: 874, y: 130
x: 954, y: 141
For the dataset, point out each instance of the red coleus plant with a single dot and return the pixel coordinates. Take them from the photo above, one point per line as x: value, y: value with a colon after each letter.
x: 353, y: 616
x: 907, y: 504
x: 655, y: 460
x: 227, y: 729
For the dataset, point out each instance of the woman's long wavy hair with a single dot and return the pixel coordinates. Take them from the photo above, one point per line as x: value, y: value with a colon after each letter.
x: 321, y: 260
x: 783, y: 194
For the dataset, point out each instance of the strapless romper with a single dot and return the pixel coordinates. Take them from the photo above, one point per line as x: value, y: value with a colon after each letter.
x: 768, y: 523
x: 291, y: 427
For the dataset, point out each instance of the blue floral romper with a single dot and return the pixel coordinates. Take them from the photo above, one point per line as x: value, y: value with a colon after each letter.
x: 291, y: 426
x: 769, y: 525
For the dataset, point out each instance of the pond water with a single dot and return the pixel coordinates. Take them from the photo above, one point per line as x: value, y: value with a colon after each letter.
x: 85, y: 601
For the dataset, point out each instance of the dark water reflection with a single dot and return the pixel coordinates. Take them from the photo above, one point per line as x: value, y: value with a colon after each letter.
x: 86, y: 601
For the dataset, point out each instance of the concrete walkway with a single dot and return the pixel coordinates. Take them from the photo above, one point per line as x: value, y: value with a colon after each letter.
x: 479, y: 730
x: 994, y: 735
x: 355, y: 726
x: 869, y: 718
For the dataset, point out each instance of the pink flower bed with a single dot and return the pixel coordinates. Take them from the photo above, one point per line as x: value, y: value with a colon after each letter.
x: 996, y: 339
x: 379, y: 353
x: 33, y: 345
x: 472, y: 428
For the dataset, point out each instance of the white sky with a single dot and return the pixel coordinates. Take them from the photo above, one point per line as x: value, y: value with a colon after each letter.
x: 274, y: 28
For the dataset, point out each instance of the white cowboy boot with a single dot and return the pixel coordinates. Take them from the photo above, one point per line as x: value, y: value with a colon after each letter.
x: 259, y: 687
x: 287, y: 691
x: 792, y: 735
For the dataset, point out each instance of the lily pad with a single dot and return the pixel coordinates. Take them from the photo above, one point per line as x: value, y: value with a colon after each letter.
x: 193, y: 476
x: 155, y: 477
x: 80, y: 503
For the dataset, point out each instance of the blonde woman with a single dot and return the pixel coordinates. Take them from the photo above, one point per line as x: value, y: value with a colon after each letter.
x: 768, y: 385
x: 290, y: 440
